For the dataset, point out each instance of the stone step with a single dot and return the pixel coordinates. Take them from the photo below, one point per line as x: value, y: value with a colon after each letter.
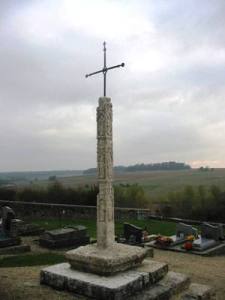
x: 116, y: 287
x: 172, y: 284
x: 198, y: 292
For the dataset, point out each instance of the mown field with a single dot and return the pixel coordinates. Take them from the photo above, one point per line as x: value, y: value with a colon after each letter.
x: 156, y: 183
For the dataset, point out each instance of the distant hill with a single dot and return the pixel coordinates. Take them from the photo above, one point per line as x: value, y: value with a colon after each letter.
x: 8, y: 177
x: 163, y: 166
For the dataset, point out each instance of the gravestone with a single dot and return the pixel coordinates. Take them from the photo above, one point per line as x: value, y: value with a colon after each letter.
x: 10, y: 242
x: 209, y: 231
x: 65, y: 237
x: 210, y: 237
x: 132, y: 233
x: 8, y: 230
x: 182, y: 232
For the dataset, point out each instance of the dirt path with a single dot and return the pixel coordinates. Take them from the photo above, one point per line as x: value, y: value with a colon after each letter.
x: 23, y: 283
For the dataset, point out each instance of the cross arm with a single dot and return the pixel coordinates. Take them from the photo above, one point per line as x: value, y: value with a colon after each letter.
x: 87, y: 75
x: 117, y: 66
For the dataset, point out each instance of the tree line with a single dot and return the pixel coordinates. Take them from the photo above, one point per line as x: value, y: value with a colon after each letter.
x: 163, y: 166
x: 126, y: 195
x: 199, y: 203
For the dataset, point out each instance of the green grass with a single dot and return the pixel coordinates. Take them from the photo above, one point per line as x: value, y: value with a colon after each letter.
x: 153, y: 226
x: 31, y: 260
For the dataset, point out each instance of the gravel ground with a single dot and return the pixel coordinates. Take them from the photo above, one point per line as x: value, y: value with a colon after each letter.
x: 23, y: 283
x: 204, y: 270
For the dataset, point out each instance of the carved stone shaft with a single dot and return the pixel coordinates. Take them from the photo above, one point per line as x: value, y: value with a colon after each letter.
x: 105, y: 198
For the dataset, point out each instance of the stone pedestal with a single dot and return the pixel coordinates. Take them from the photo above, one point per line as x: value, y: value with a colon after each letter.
x: 116, y: 287
x: 106, y: 261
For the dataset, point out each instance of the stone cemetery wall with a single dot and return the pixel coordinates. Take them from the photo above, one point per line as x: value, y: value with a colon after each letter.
x: 27, y: 211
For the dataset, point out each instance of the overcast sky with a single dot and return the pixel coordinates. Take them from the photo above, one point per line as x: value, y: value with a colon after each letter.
x: 168, y: 101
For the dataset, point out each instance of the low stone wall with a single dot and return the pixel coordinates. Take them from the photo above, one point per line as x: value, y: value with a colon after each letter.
x: 29, y: 210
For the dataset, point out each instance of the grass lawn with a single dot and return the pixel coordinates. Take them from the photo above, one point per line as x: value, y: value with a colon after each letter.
x: 153, y: 226
x: 26, y: 260
x: 50, y: 258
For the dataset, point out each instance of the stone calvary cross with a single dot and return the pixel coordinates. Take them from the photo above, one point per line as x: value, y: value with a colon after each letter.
x: 105, y: 198
x: 106, y: 257
x: 105, y: 69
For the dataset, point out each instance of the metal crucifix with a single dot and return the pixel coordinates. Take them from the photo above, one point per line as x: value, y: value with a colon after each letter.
x: 105, y: 69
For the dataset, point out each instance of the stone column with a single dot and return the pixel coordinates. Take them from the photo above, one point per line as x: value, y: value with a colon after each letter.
x: 105, y: 198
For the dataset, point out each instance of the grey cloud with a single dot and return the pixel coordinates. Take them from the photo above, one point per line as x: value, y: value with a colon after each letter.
x: 173, y: 112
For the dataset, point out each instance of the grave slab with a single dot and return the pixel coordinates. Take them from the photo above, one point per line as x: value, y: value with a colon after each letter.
x: 65, y: 237
x: 114, y: 287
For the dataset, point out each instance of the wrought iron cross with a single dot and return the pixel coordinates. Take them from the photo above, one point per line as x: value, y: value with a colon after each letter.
x: 105, y: 69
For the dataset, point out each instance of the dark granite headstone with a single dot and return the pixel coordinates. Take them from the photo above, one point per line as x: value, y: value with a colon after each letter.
x: 65, y: 237
x: 8, y: 229
x: 133, y: 234
x: 7, y: 216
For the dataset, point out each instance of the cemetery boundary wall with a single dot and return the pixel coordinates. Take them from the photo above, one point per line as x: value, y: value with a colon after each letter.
x: 29, y: 210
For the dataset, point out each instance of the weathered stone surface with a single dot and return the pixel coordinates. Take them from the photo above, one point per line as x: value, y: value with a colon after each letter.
x: 65, y: 237
x: 177, y: 282
x: 105, y: 198
x: 199, y: 292
x: 165, y: 289
x: 117, y: 258
x: 115, y: 287
x: 150, y: 251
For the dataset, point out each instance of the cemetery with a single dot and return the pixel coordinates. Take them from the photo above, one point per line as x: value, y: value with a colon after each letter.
x: 110, y: 270
x: 118, y: 198
x: 111, y: 267
x: 210, y: 242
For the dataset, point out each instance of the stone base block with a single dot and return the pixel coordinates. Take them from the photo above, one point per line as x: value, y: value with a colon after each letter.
x: 167, y: 288
x: 107, y: 261
x: 115, y: 287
